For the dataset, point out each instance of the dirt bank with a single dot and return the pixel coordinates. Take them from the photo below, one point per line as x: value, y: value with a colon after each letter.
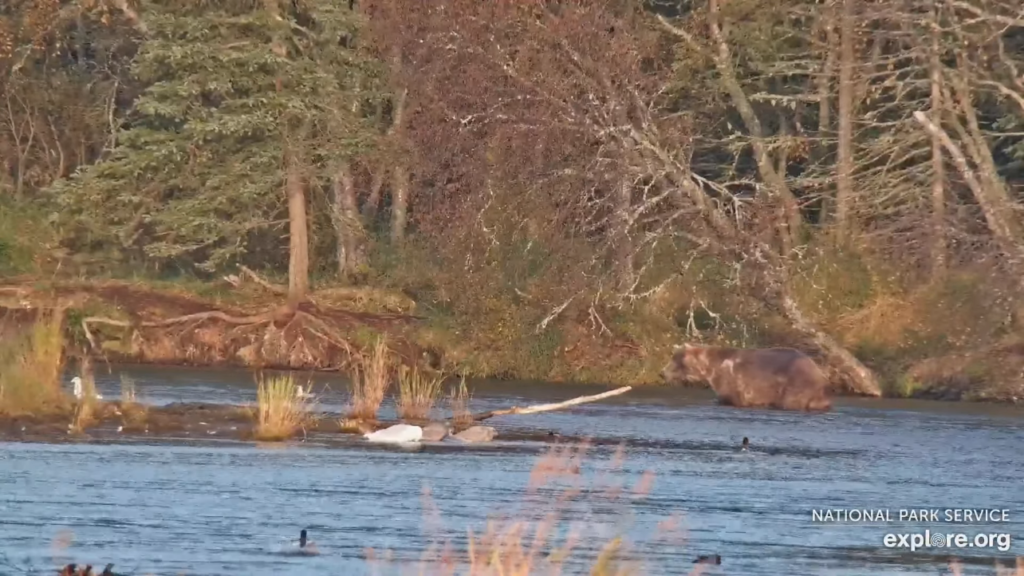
x: 124, y: 322
x: 221, y: 325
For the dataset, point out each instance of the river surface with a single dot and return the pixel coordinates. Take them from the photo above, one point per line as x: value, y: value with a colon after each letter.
x: 213, y: 508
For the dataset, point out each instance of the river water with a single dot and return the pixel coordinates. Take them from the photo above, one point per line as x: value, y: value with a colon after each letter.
x: 211, y: 508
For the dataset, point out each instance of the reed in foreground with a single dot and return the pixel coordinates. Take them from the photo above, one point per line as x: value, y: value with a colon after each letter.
x: 282, y: 412
x: 370, y: 383
x: 417, y: 394
x: 31, y: 365
x: 542, y: 536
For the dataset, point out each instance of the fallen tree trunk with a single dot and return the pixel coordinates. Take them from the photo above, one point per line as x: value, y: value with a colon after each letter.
x: 537, y: 408
x: 862, y: 380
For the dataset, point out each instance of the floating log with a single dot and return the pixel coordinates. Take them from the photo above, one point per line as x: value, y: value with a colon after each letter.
x: 537, y: 408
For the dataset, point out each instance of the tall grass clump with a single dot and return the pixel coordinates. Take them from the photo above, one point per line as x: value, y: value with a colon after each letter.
x: 31, y: 366
x: 370, y: 383
x: 281, y: 412
x: 135, y: 413
x: 546, y: 533
x: 128, y: 393
x: 459, y: 398
x: 417, y: 394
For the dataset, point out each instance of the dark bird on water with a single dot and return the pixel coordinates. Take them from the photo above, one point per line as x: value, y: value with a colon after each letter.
x: 746, y: 444
x: 109, y: 571
x: 712, y: 559
x: 306, y: 546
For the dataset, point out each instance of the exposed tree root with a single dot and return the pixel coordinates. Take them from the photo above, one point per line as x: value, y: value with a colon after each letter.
x: 190, y: 322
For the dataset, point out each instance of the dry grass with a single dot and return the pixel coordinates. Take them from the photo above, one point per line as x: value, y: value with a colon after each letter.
x: 370, y: 383
x: 135, y: 415
x: 417, y: 394
x: 280, y: 412
x: 128, y: 393
x: 31, y: 366
x: 542, y: 537
x: 956, y: 568
x: 459, y: 398
x: 885, y: 319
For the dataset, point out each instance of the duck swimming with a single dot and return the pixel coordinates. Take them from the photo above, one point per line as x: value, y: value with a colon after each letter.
x: 710, y: 559
x: 77, y: 383
x: 306, y: 546
x: 746, y: 444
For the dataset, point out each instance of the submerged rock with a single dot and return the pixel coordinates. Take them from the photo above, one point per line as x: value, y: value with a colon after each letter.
x: 435, y: 432
x: 477, y: 434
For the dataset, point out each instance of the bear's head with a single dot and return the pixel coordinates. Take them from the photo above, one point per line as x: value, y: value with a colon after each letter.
x: 689, y: 364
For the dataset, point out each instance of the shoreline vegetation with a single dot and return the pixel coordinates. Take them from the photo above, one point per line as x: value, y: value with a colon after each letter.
x: 503, y: 209
x: 36, y: 406
x: 115, y: 321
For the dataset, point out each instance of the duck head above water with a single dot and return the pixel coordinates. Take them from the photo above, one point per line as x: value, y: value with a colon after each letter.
x: 306, y: 546
x: 709, y: 559
x: 746, y: 444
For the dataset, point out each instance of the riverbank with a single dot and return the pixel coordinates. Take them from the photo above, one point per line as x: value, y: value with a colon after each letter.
x: 243, y: 325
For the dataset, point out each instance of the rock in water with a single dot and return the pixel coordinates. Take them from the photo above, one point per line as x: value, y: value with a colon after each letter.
x: 477, y: 434
x: 435, y: 432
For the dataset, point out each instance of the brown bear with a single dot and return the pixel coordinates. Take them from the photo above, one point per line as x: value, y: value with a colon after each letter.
x: 781, y: 378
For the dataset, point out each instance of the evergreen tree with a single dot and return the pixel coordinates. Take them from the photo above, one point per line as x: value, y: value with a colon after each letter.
x: 245, y: 105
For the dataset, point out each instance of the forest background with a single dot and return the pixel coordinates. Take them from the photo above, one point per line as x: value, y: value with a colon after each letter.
x: 557, y: 190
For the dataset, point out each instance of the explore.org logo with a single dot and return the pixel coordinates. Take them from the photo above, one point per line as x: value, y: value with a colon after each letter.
x: 929, y: 539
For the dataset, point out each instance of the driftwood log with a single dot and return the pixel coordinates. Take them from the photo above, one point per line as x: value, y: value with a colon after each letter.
x: 537, y: 408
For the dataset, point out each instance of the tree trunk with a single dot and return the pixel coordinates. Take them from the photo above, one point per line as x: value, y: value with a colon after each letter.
x: 938, y: 215
x: 400, y: 172
x: 862, y: 379
x: 821, y: 150
x: 347, y: 227
x: 372, y: 205
x: 791, y: 221
x: 995, y: 205
x: 621, y: 241
x: 844, y: 177
x: 298, y: 234
x: 399, y: 202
